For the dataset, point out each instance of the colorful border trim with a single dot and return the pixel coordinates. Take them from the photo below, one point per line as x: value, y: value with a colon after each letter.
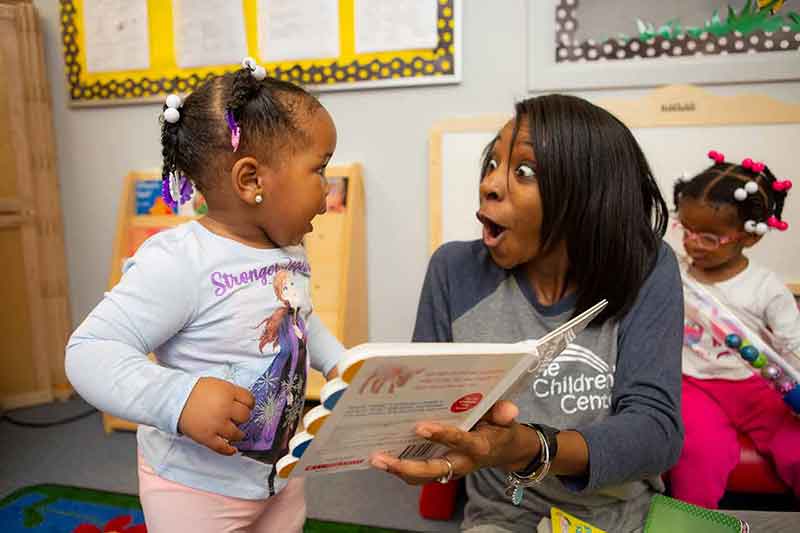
x: 569, y: 50
x: 351, y: 70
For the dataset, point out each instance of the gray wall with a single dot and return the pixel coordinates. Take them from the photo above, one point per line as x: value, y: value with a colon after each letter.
x: 386, y: 130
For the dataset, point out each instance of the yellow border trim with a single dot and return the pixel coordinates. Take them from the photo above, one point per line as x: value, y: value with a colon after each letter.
x: 165, y: 76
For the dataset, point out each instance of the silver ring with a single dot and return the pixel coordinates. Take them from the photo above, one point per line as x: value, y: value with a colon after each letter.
x: 447, y: 477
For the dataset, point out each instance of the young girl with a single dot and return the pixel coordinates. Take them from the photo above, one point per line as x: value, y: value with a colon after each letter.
x: 223, y: 302
x: 571, y: 214
x: 723, y: 210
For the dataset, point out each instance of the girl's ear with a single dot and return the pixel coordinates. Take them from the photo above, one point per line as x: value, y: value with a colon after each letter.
x: 750, y: 239
x: 246, y: 179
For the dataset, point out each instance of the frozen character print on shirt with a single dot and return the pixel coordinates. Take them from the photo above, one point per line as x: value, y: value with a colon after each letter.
x: 279, y: 392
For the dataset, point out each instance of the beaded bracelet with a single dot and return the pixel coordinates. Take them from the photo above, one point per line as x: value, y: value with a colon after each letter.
x: 515, y: 484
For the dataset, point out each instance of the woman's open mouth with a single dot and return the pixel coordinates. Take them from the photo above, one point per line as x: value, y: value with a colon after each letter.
x: 492, y: 231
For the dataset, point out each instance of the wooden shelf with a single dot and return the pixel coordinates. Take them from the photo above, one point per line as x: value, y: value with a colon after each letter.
x: 35, y: 320
x: 336, y: 251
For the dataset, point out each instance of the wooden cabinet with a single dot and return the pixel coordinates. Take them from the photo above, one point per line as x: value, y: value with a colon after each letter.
x: 336, y: 252
x: 34, y: 318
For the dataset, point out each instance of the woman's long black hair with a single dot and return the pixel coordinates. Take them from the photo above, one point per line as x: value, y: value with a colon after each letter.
x: 598, y: 196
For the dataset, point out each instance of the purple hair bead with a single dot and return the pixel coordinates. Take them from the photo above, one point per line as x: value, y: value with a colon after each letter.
x: 186, y: 191
x: 165, y: 194
x: 236, y: 131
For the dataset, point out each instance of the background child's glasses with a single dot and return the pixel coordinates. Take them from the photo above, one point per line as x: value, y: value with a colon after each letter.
x: 707, y: 241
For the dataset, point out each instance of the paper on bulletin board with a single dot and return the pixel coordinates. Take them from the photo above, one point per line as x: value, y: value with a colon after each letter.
x: 290, y: 30
x: 210, y: 32
x: 383, y: 25
x: 117, y: 36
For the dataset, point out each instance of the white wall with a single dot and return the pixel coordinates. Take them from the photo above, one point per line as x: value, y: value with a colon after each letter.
x: 386, y: 130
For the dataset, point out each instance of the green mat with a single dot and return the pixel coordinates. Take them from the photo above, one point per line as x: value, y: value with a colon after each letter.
x: 62, y: 509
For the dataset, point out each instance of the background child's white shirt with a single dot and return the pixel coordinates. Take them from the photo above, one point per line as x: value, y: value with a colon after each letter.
x: 762, y: 301
x: 199, y: 302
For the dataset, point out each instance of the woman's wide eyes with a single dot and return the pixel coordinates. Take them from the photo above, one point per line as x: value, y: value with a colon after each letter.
x: 525, y: 171
x: 492, y: 165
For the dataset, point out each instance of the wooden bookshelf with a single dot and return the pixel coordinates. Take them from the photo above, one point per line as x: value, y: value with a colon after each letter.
x: 35, y: 318
x: 336, y: 252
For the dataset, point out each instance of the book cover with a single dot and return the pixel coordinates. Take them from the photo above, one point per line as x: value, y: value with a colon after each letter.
x: 668, y: 515
x: 563, y: 522
x: 336, y: 200
x: 383, y: 390
x: 137, y: 235
x: 148, y: 198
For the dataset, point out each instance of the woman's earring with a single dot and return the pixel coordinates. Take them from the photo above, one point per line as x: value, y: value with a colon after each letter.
x: 259, y: 198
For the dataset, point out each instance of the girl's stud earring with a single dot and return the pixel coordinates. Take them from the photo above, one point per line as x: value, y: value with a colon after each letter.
x: 259, y: 198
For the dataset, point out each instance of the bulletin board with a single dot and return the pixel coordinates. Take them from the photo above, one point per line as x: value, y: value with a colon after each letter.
x: 675, y: 126
x: 584, y: 44
x: 359, y: 62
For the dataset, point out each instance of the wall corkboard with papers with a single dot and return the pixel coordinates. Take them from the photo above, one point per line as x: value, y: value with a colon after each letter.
x: 129, y: 51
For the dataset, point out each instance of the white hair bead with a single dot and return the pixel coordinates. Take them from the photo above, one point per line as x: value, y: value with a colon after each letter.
x: 249, y: 63
x: 751, y: 187
x: 750, y: 226
x: 761, y: 228
x: 259, y: 73
x: 172, y: 115
x: 740, y: 194
x: 174, y: 101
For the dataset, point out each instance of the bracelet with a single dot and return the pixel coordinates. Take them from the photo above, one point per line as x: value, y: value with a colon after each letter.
x: 551, y: 437
x: 536, y: 471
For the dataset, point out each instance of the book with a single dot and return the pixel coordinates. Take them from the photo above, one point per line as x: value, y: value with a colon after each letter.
x: 668, y: 515
x: 148, y: 198
x: 137, y: 235
x: 384, y: 390
x: 563, y: 522
x: 336, y: 200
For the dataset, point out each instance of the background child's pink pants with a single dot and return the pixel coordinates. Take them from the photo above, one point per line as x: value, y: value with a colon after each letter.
x: 170, y: 507
x: 714, y: 410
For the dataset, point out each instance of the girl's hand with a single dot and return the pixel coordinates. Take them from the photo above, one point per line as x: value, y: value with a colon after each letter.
x: 212, y: 413
x: 497, y: 440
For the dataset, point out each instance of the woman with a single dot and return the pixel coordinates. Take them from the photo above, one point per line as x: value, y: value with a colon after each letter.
x: 571, y: 214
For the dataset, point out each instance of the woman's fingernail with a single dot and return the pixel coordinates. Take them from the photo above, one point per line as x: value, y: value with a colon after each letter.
x: 425, y: 433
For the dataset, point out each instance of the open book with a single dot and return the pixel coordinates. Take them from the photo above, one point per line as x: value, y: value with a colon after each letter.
x: 384, y: 390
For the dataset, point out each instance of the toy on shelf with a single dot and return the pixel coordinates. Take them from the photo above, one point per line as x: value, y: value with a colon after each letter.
x: 759, y: 349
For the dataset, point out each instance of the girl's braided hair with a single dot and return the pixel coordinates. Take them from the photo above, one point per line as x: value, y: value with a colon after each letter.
x: 268, y: 112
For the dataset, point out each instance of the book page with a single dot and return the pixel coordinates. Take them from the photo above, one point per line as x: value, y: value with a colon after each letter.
x: 117, y: 35
x: 290, y: 30
x: 207, y: 33
x: 448, y: 383
x: 384, y: 25
x: 389, y: 395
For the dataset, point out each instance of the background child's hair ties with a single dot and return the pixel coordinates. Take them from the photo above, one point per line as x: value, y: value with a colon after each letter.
x: 750, y: 187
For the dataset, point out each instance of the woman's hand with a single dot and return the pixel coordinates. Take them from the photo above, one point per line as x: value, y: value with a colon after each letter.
x: 212, y: 413
x: 497, y: 440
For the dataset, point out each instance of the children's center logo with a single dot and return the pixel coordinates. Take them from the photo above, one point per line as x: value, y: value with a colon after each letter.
x: 579, y: 378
